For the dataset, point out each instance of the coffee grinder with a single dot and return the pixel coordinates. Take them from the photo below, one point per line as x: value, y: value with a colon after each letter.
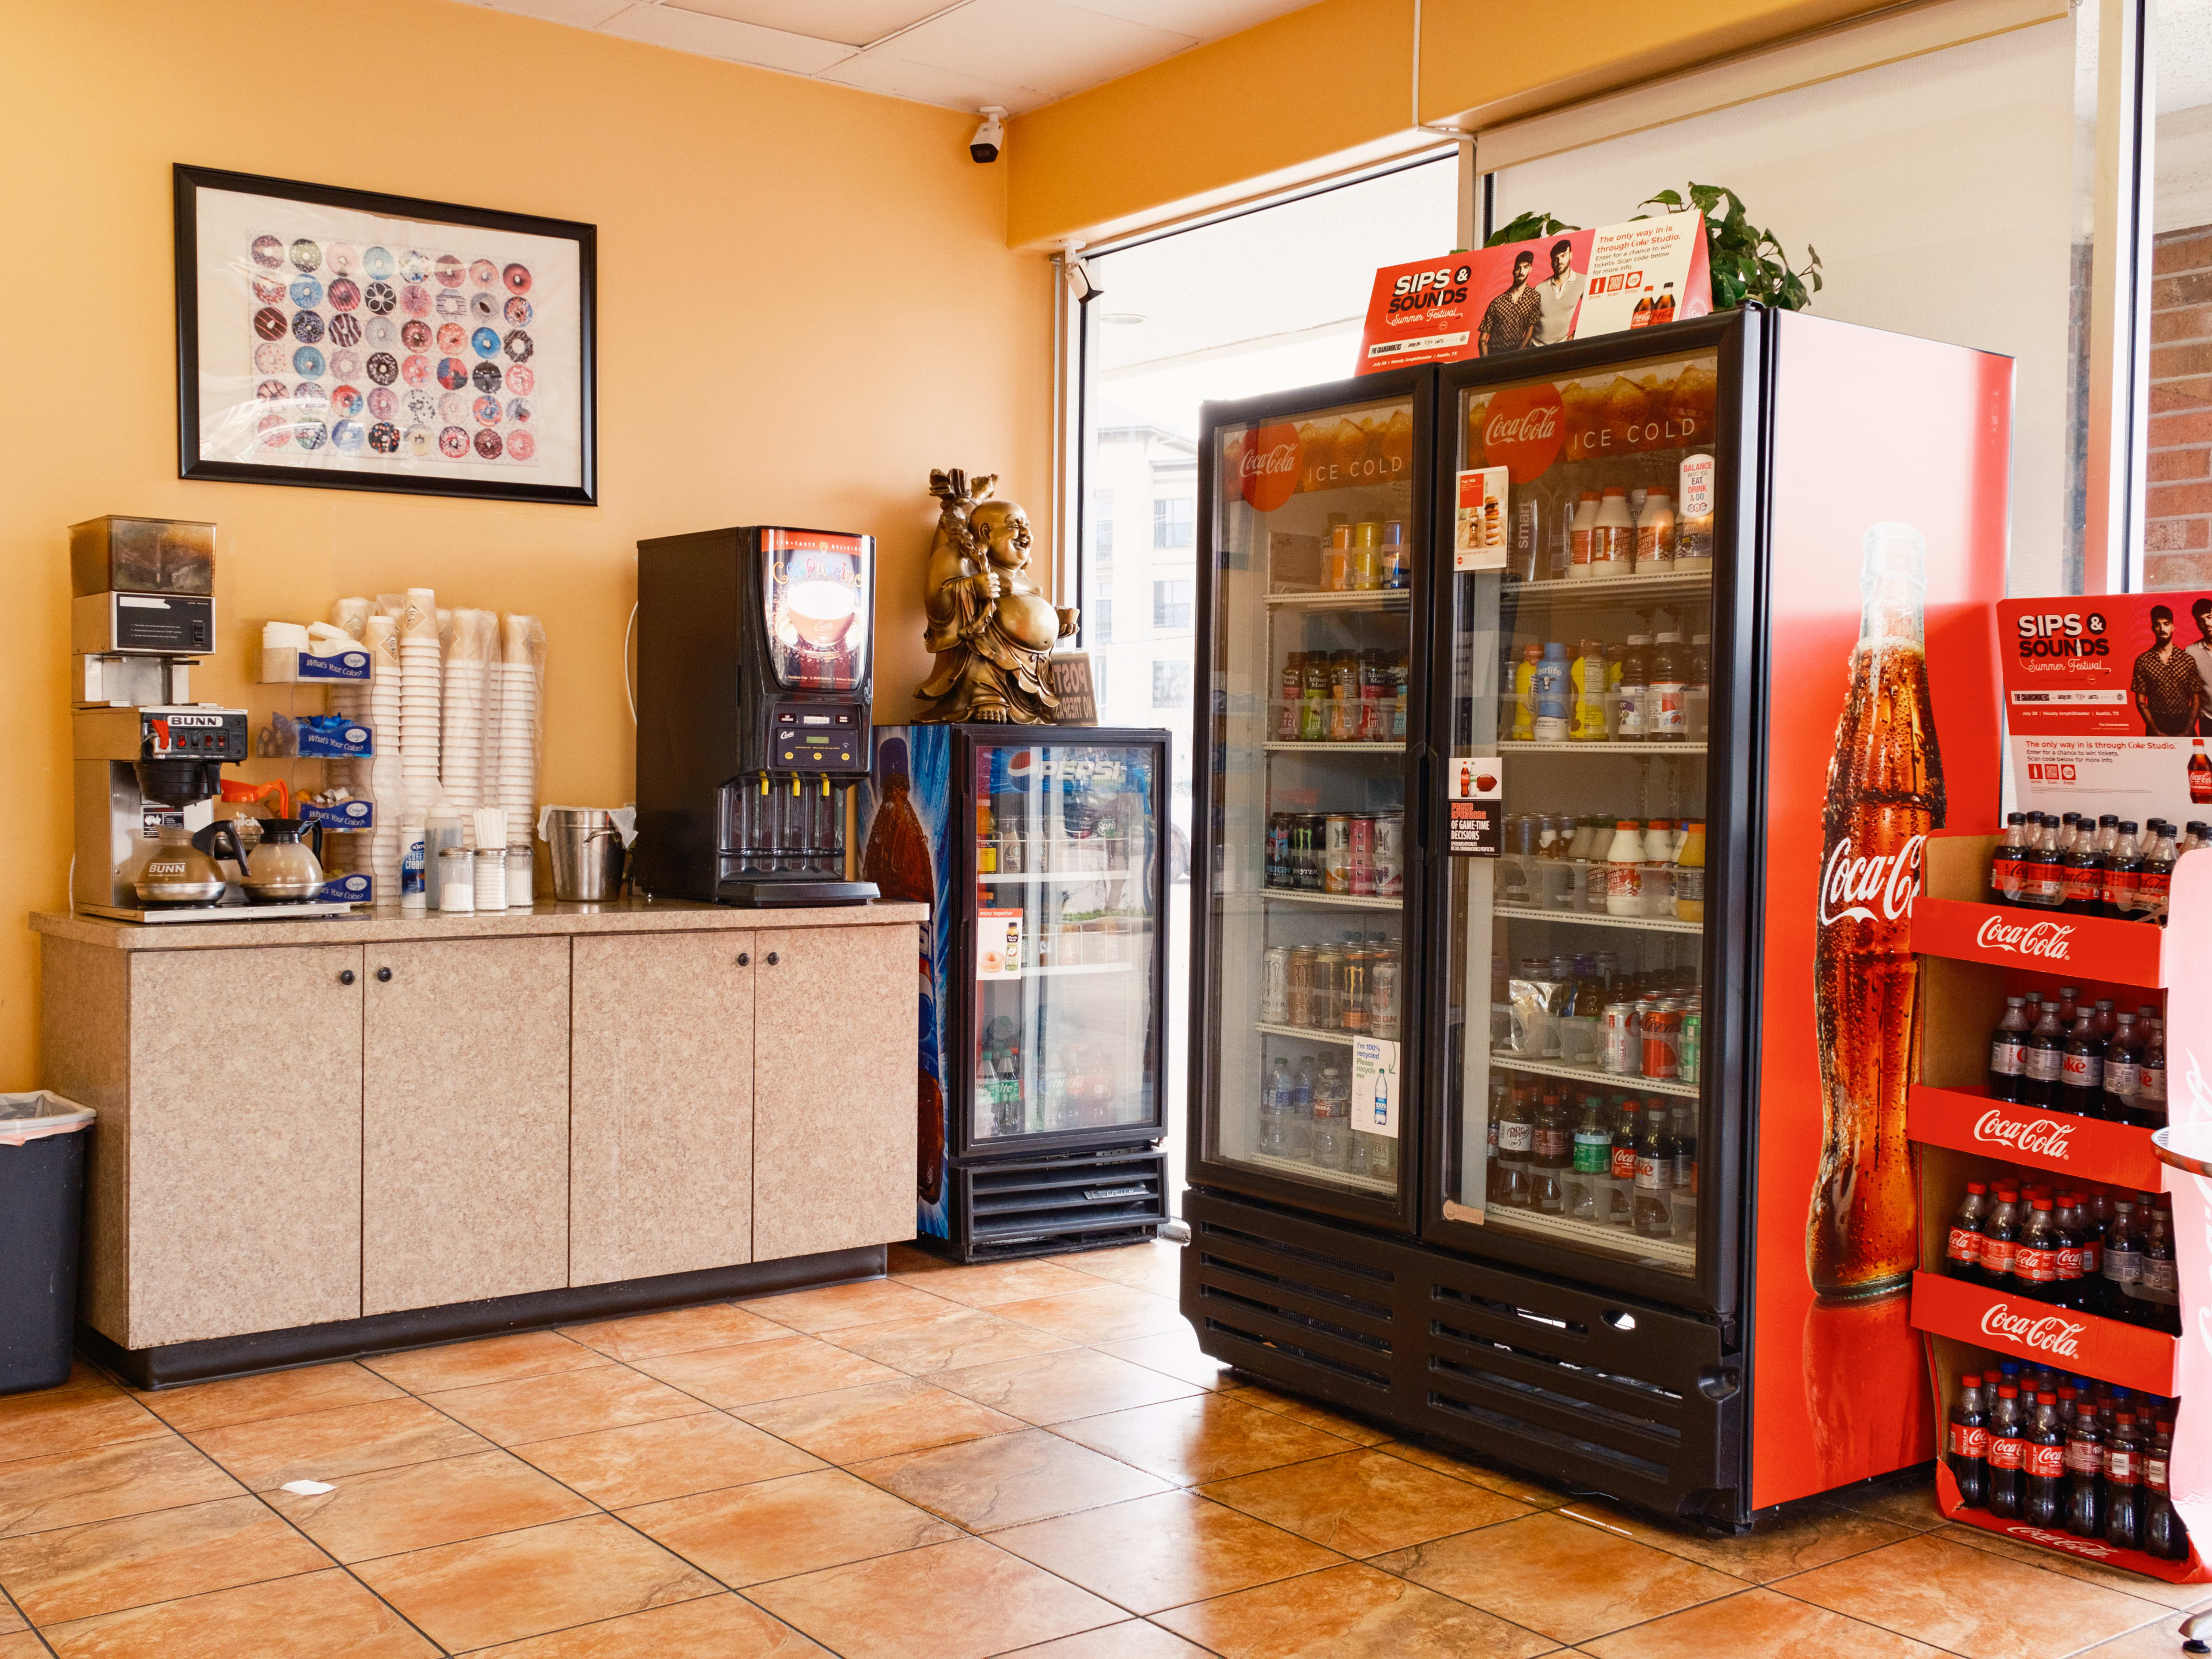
x: 755, y: 675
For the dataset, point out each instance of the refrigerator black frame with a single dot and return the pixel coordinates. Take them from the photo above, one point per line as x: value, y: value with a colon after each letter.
x: 969, y: 738
x: 1417, y: 386
x: 1734, y: 780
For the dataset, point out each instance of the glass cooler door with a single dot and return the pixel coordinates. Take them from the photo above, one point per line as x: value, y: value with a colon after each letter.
x: 1068, y: 959
x: 1579, y: 612
x: 1306, y: 982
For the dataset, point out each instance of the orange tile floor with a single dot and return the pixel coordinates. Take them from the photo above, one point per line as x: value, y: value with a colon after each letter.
x: 1030, y: 1457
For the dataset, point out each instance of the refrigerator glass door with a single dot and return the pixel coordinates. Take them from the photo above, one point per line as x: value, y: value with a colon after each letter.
x: 1581, y: 603
x: 1312, y: 624
x: 1066, y: 939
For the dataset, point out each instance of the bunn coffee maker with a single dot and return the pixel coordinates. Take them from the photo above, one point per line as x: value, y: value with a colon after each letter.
x: 754, y: 680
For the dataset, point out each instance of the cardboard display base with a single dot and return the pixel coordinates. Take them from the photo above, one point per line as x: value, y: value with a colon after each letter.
x: 2190, y: 1571
x: 1968, y: 1120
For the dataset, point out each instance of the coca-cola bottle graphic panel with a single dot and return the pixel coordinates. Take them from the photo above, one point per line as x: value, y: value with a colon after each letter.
x: 1885, y: 793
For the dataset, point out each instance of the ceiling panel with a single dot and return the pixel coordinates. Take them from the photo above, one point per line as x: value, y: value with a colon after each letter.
x: 583, y: 14
x: 1209, y: 19
x: 717, y: 37
x: 894, y: 77
x: 1047, y: 44
x: 850, y: 22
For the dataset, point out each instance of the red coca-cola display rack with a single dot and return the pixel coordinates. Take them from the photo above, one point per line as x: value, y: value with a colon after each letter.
x: 1976, y: 954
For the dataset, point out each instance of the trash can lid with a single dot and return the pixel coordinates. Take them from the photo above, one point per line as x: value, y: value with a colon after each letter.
x: 38, y: 1114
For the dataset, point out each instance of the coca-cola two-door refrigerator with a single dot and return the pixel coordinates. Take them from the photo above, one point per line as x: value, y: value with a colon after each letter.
x: 1639, y: 896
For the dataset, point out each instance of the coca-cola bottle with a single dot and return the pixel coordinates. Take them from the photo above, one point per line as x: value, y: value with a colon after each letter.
x: 2068, y: 997
x: 1962, y: 1248
x: 2043, y: 1496
x: 2079, y: 1255
x: 2123, y: 1264
x: 2043, y: 1063
x: 2124, y: 1472
x: 1654, y: 1175
x: 2000, y: 1236
x: 1968, y: 1456
x: 2159, y: 1293
x: 2123, y: 1102
x: 2007, y: 1456
x: 2081, y: 877
x: 2008, y: 865
x: 2085, y: 1472
x: 1623, y: 1212
x: 1885, y: 793
x: 2150, y: 1105
x: 2035, y: 1258
x: 2123, y: 877
x: 2154, y: 878
x: 2009, y: 1052
x: 2164, y: 1536
x: 2082, y: 1071
x: 1516, y: 1148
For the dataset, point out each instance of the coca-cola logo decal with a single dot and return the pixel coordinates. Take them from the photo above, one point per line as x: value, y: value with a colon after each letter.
x: 2037, y: 1332
x: 2041, y: 1137
x: 1268, y: 471
x: 1852, y: 887
x: 2025, y: 939
x: 1524, y: 431
x: 2059, y: 1540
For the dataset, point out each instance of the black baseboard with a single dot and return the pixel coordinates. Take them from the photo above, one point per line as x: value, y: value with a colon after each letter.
x: 416, y: 1328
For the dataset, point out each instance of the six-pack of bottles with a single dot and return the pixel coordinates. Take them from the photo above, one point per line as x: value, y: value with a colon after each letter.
x: 2083, y: 866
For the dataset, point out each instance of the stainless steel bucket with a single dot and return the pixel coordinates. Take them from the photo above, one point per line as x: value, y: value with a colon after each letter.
x: 588, y: 854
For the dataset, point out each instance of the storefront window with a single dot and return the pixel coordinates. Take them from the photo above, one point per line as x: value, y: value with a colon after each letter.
x: 1261, y: 302
x: 2178, y: 464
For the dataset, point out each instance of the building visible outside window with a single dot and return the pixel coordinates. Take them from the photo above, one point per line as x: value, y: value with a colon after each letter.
x: 1098, y: 627
x: 1102, y: 529
x: 1172, y: 522
x: 2177, y: 478
x: 1173, y: 602
x: 1170, y: 684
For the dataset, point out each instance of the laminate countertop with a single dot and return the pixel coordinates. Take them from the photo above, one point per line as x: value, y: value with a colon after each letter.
x: 383, y: 924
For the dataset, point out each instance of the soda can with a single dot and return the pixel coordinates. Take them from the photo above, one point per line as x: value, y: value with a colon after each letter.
x: 1299, y: 979
x: 1689, y: 1050
x: 1275, y: 986
x: 1382, y: 997
x: 1390, y: 854
x: 1305, y: 851
x: 1662, y: 1037
x: 1279, y: 850
x: 1336, y: 854
x: 1360, y: 855
x: 1624, y: 1050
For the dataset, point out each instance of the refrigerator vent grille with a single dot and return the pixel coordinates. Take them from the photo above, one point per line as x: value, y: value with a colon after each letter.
x: 1327, y: 1315
x: 1033, y: 1206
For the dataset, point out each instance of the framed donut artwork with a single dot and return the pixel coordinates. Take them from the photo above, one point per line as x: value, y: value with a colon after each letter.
x: 343, y: 339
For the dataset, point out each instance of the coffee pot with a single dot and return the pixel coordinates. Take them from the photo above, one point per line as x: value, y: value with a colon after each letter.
x: 178, y: 872
x: 282, y: 869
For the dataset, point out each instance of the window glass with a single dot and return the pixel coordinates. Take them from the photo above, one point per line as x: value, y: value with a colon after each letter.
x: 2178, y: 477
x: 1172, y: 602
x: 1261, y: 302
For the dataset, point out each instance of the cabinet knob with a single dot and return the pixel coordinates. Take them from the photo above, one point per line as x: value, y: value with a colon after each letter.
x: 745, y: 959
x: 773, y: 958
x: 384, y: 976
x: 346, y: 978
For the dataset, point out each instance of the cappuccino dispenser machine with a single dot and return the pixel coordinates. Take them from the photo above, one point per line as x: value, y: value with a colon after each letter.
x: 754, y: 681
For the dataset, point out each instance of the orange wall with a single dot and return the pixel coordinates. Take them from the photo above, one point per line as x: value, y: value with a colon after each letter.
x: 806, y: 302
x: 1335, y: 80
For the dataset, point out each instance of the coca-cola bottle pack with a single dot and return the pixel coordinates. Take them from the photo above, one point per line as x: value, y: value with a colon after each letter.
x: 1885, y: 794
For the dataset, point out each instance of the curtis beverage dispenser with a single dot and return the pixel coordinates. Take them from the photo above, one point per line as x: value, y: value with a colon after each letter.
x: 753, y: 693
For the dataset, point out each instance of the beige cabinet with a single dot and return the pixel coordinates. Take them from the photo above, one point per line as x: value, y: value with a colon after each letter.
x: 464, y: 1143
x: 660, y: 1118
x: 835, y: 1024
x: 239, y: 1144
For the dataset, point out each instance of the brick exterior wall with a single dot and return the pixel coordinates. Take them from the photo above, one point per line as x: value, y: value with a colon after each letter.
x: 2178, y: 490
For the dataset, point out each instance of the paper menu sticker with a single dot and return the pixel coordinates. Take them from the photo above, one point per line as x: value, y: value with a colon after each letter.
x: 1479, y: 534
x: 998, y: 944
x: 1473, y: 805
x: 1375, y: 1094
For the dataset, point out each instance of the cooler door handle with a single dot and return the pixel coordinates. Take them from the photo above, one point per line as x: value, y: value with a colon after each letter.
x: 1420, y: 819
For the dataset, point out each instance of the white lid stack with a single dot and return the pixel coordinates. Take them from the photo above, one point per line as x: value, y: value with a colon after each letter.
x: 421, y: 672
x: 520, y: 638
x: 388, y: 784
x: 468, y: 663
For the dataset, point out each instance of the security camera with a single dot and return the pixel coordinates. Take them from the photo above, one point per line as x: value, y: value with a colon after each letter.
x: 984, y: 146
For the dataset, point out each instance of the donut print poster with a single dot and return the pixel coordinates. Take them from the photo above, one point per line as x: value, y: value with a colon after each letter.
x: 344, y: 339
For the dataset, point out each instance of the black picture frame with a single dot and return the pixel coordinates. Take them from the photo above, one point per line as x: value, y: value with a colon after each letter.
x: 416, y: 473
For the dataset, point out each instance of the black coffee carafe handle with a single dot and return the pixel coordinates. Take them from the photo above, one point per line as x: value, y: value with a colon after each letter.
x: 209, y: 839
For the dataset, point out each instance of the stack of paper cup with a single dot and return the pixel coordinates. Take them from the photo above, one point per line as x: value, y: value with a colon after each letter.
x: 518, y: 721
x: 468, y: 664
x: 387, y: 783
x: 420, y: 674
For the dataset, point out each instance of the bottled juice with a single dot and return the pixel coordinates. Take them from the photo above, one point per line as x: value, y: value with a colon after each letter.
x: 1612, y: 535
x: 1589, y: 675
x: 1582, y: 536
x: 1654, y: 535
x: 1524, y: 693
x: 1336, y: 560
x: 1365, y: 572
x: 1690, y: 876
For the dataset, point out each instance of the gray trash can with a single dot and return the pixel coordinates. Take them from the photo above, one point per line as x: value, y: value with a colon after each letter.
x: 42, y: 1148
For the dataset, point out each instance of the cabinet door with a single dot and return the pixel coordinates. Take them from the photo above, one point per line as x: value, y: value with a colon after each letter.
x: 465, y: 1178
x: 244, y: 1141
x: 834, y: 1037
x: 660, y: 1118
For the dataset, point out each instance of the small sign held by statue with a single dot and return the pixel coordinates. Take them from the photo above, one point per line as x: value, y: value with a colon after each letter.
x: 990, y: 624
x: 1071, y: 683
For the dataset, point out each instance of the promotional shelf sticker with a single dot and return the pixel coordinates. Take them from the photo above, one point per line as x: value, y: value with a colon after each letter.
x: 998, y: 944
x: 1479, y: 536
x: 2108, y: 704
x: 1472, y: 801
x: 1374, y: 1086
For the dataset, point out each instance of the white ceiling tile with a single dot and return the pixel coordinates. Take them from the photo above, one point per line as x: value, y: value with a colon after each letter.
x: 1051, y: 46
x: 852, y: 22
x: 717, y: 37
x: 583, y: 14
x: 1209, y: 19
x: 895, y: 78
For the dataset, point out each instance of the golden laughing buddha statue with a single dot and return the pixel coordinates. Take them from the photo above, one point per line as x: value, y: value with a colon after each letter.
x: 990, y: 625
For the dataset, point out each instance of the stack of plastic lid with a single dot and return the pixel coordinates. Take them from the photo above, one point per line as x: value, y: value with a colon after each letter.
x: 420, y: 674
x: 387, y: 781
x: 468, y: 665
x: 521, y: 645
